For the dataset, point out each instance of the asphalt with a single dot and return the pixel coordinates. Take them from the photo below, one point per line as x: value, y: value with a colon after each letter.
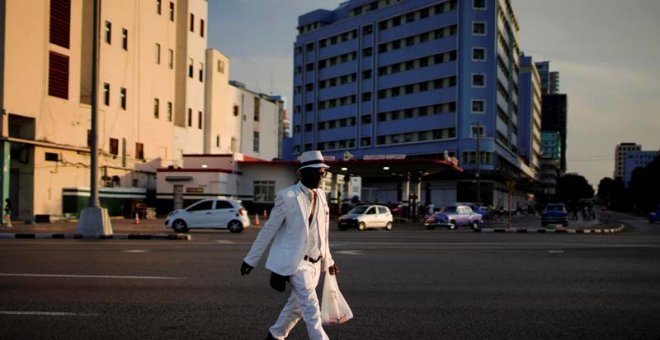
x: 154, y: 229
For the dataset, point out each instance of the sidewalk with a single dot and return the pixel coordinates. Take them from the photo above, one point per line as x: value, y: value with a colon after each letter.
x: 122, y: 228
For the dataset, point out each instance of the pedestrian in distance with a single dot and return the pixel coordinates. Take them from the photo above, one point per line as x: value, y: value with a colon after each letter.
x: 298, y: 230
x: 7, y: 213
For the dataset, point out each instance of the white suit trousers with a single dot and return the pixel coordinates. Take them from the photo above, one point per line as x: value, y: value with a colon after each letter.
x: 303, y: 303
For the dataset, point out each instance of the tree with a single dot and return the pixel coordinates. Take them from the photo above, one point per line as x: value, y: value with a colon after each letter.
x: 612, y: 194
x: 573, y: 188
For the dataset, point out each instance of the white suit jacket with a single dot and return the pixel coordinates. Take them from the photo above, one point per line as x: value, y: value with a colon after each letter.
x: 288, y: 229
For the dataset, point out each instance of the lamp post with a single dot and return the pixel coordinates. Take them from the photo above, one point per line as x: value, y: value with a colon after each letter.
x: 94, y: 220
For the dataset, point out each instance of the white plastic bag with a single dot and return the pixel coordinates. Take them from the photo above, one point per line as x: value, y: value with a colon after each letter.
x: 334, y: 309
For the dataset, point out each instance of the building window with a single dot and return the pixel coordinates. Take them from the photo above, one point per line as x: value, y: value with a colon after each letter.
x: 264, y: 191
x: 217, y: 141
x: 478, y: 106
x: 200, y: 117
x: 190, y: 68
x: 158, y: 6
x: 192, y: 22
x: 157, y: 53
x: 190, y: 117
x: 257, y: 107
x: 108, y: 32
x: 124, y: 39
x: 58, y: 75
x: 201, y: 28
x: 114, y: 146
x: 171, y: 11
x: 122, y: 94
x: 478, y: 80
x: 221, y: 66
x: 156, y: 107
x: 169, y: 111
x: 106, y: 94
x: 479, y: 28
x: 479, y: 4
x: 60, y: 22
x: 170, y: 60
x: 478, y: 54
x: 201, y: 72
x: 255, y: 141
x: 236, y: 111
x: 139, y: 151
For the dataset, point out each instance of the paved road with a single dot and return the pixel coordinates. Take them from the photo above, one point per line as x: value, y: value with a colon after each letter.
x: 403, y: 284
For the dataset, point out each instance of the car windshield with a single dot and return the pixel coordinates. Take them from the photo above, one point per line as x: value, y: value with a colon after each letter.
x: 450, y: 209
x: 554, y: 207
x: 359, y: 209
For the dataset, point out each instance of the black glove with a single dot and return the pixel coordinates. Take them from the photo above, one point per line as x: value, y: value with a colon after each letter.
x: 246, y: 268
x: 333, y: 270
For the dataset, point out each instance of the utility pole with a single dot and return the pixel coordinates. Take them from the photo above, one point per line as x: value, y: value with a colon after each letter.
x: 94, y: 220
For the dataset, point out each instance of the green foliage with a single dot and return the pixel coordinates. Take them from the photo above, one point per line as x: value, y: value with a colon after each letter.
x: 642, y: 194
x: 573, y: 188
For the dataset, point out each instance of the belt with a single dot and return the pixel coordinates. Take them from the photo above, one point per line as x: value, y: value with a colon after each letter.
x: 307, y: 258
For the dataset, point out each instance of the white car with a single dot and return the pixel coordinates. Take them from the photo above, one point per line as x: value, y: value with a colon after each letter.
x: 367, y: 216
x: 210, y: 213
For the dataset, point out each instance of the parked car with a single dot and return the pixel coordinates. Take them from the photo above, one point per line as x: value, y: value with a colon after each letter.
x: 654, y: 216
x: 477, y: 209
x: 367, y: 216
x: 554, y: 213
x: 454, y: 216
x: 211, y: 213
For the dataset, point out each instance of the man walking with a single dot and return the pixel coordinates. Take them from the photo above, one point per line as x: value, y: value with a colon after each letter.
x: 298, y: 229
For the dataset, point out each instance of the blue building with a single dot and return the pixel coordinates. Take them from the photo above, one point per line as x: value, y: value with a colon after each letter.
x: 636, y: 159
x: 417, y: 78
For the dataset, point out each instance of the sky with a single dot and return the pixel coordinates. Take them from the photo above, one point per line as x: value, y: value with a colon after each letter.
x: 607, y: 53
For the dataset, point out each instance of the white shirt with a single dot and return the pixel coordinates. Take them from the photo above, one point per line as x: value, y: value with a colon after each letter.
x: 314, y: 241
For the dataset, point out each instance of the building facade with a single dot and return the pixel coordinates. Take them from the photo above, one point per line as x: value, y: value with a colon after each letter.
x: 636, y: 159
x: 150, y: 94
x: 620, y: 157
x: 554, y: 118
x: 418, y: 78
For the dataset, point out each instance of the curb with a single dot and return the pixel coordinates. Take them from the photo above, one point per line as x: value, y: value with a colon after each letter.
x: 68, y: 236
x: 601, y: 230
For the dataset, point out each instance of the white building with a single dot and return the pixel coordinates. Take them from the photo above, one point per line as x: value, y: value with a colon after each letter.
x: 151, y: 97
x: 620, y: 157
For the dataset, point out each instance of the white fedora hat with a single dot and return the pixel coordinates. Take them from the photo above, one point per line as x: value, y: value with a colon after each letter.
x: 312, y: 159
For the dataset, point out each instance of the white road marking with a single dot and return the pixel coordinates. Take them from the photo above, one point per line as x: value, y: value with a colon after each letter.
x: 555, y: 251
x: 77, y: 276
x: 136, y: 251
x: 46, y: 313
x: 350, y: 252
x: 225, y: 242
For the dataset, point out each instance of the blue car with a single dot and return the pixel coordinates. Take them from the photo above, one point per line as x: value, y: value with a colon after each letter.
x: 654, y: 216
x: 554, y: 213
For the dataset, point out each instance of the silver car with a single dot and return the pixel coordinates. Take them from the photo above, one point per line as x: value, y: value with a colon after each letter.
x: 210, y: 213
x: 363, y: 217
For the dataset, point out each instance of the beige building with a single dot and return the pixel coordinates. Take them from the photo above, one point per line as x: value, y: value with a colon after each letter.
x: 620, y: 157
x: 151, y: 96
x: 240, y: 120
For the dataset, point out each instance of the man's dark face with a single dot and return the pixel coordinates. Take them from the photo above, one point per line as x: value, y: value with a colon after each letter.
x: 311, y: 177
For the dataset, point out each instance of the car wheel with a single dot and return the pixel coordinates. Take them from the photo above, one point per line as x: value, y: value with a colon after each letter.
x: 180, y: 226
x: 362, y: 226
x: 452, y: 225
x: 235, y: 226
x: 475, y: 225
x: 388, y: 226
